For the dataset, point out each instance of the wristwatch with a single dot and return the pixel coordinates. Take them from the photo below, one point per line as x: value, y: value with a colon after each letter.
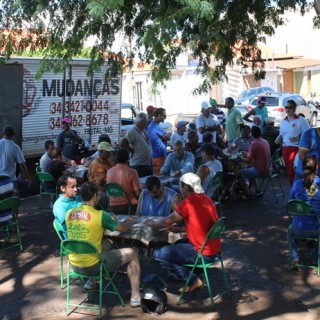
x: 205, y: 128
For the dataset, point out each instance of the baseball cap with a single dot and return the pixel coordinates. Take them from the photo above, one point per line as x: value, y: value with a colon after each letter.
x: 270, y: 120
x: 181, y: 123
x: 261, y: 99
x: 213, y: 102
x: 150, y: 109
x: 66, y: 120
x: 205, y: 105
x: 105, y: 146
x: 192, y: 180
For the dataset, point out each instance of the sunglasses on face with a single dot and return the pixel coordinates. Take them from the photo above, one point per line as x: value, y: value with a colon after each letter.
x: 288, y: 107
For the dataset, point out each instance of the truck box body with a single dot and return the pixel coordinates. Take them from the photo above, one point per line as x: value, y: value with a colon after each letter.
x: 93, y: 103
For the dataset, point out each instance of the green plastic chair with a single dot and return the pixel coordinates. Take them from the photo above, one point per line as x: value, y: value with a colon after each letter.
x: 38, y: 169
x: 197, y: 163
x: 82, y: 247
x: 215, y: 232
x: 42, y: 178
x: 10, y: 204
x: 217, y: 183
x: 301, y: 208
x: 60, y: 232
x: 115, y: 190
x: 266, y: 180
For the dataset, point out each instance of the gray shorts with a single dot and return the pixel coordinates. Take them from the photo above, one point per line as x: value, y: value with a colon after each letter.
x: 112, y: 260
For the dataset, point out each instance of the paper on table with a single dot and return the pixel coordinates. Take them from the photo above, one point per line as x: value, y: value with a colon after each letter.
x: 138, y: 225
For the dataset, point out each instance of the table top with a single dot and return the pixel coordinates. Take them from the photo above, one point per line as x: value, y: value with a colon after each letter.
x: 165, y: 180
x: 143, y: 233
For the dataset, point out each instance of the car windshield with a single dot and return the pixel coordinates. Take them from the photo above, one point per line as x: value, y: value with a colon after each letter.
x: 126, y: 113
x: 246, y: 93
x: 270, y: 101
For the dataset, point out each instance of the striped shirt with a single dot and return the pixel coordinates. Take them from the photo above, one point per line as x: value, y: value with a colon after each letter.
x: 221, y: 116
x: 6, y: 191
x: 140, y: 143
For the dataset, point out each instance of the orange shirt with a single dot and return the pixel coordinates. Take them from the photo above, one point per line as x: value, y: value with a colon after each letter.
x: 98, y: 170
x: 128, y: 179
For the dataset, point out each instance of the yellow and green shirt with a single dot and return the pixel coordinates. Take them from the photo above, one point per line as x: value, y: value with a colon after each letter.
x: 88, y: 224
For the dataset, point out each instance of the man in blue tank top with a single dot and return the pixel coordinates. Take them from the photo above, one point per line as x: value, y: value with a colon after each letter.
x: 157, y: 200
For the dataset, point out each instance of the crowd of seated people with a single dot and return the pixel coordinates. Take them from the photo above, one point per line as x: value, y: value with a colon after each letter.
x: 194, y: 143
x: 252, y: 151
x: 179, y: 202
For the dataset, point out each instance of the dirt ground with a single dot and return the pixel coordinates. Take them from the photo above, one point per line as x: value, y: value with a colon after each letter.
x: 255, y: 253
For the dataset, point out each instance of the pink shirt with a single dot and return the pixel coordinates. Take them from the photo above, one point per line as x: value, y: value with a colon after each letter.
x: 128, y: 179
x: 259, y: 153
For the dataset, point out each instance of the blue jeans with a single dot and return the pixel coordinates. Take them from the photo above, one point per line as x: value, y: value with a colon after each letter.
x: 172, y: 257
x: 143, y: 170
x: 249, y: 173
x: 294, y: 243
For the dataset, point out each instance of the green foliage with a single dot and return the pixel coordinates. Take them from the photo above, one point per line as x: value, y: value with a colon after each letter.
x: 156, y: 31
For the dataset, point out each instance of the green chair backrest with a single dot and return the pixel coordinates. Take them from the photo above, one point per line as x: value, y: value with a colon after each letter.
x: 215, y: 232
x: 275, y: 160
x: 299, y: 208
x: 277, y: 155
x: 79, y: 247
x: 217, y: 179
x: 115, y: 190
x: 45, y: 176
x: 9, y: 203
x: 197, y: 162
x: 38, y: 169
x: 59, y: 229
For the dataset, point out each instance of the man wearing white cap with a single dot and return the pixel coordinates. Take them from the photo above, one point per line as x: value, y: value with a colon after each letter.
x: 68, y: 140
x: 199, y: 214
x: 181, y: 133
x: 207, y: 121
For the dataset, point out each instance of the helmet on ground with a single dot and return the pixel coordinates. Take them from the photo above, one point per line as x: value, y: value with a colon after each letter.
x: 154, y: 300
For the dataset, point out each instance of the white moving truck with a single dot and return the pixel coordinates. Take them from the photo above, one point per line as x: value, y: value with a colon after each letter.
x: 35, y: 108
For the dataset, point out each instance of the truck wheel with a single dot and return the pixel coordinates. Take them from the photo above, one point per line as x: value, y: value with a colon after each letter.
x: 313, y: 120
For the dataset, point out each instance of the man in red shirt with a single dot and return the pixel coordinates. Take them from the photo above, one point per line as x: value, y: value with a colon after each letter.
x: 199, y: 214
x: 259, y: 156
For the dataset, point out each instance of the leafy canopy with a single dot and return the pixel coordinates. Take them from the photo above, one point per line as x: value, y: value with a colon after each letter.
x: 155, y: 31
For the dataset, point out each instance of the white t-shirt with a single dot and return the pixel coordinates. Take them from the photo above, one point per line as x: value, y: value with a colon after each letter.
x: 10, y: 155
x: 176, y: 136
x: 214, y: 166
x: 44, y: 160
x: 292, y: 128
x: 203, y: 121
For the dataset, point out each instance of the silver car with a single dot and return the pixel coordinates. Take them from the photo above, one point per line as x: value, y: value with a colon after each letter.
x: 245, y: 96
x: 276, y: 102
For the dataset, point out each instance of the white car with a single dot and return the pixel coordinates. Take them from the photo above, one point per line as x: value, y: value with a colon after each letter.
x: 128, y: 115
x: 276, y: 102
